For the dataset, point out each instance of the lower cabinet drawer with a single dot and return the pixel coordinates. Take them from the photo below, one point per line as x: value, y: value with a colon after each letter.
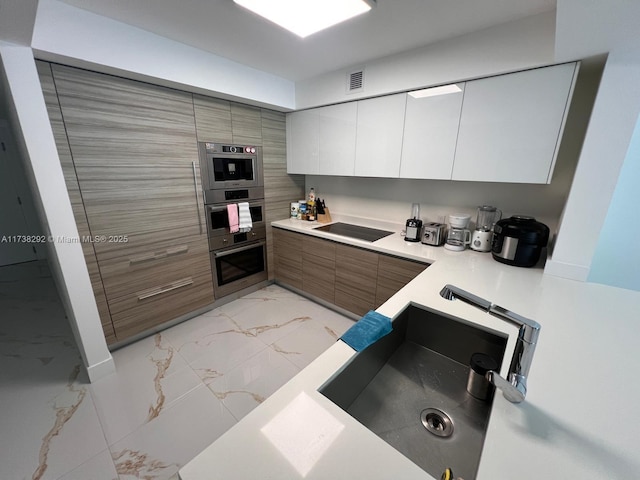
x: 393, y: 274
x: 154, y: 306
x: 136, y: 269
x: 149, y: 286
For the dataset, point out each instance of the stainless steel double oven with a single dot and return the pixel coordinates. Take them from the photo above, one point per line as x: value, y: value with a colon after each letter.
x: 232, y: 174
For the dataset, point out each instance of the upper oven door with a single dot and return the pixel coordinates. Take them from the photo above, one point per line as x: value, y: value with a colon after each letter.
x: 218, y: 217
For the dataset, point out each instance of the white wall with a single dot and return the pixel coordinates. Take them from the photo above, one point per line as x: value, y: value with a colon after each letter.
x: 588, y: 28
x: 79, y: 38
x: 512, y: 46
x: 30, y: 121
x: 616, y: 260
x: 16, y: 20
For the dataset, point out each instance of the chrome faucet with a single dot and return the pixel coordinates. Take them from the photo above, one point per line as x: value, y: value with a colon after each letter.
x: 514, y: 388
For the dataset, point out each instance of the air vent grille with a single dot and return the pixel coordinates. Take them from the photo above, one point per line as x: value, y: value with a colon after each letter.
x: 355, y: 81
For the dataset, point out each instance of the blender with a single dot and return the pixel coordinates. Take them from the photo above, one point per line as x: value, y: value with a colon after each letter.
x: 414, y: 225
x: 483, y: 234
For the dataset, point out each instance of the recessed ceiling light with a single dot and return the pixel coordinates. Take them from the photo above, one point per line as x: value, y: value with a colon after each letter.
x: 432, y: 92
x: 304, y: 17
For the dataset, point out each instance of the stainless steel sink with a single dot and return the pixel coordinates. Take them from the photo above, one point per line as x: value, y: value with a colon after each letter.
x: 409, y: 388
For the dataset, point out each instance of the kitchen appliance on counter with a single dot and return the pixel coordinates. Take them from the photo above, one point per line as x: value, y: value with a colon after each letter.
x: 414, y: 225
x: 482, y: 236
x: 232, y: 174
x: 519, y: 240
x: 433, y: 233
x: 458, y: 236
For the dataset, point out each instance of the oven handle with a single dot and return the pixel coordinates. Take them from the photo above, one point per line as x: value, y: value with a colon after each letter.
x: 195, y: 190
x: 261, y: 243
x: 223, y: 207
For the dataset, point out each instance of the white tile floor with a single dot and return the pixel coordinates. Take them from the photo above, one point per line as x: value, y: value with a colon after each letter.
x: 173, y: 394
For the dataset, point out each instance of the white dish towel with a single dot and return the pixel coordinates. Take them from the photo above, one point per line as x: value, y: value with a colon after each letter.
x: 244, y: 217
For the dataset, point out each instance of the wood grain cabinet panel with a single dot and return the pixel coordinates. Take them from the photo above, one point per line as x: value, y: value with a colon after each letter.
x: 213, y: 119
x: 162, y: 263
x: 148, y: 308
x: 71, y: 181
x: 246, y: 124
x: 280, y: 189
x: 288, y: 257
x: 134, y: 152
x: 352, y: 278
x: 319, y: 268
x: 356, y: 279
x: 393, y: 274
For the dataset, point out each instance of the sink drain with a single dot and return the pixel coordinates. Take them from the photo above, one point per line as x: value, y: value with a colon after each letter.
x: 437, y: 422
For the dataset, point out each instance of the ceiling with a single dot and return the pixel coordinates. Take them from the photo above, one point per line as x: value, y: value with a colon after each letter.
x: 226, y: 29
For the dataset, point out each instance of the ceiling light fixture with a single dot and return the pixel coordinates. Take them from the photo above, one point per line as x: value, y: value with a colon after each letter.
x: 304, y: 17
x: 432, y: 92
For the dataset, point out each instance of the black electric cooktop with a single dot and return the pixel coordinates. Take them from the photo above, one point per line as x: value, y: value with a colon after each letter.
x: 355, y: 231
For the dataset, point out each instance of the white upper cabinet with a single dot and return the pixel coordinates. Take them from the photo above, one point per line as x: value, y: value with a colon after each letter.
x: 430, y: 132
x: 511, y: 125
x: 379, y: 136
x: 337, y: 139
x: 303, y: 142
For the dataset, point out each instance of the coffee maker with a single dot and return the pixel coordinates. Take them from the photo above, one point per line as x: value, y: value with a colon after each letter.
x: 458, y: 236
x: 483, y: 234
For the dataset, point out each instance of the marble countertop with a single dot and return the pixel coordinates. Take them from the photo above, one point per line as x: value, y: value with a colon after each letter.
x: 579, y: 420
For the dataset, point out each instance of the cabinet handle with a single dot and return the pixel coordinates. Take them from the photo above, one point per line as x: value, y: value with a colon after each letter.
x: 157, y: 256
x: 195, y: 190
x: 166, y: 288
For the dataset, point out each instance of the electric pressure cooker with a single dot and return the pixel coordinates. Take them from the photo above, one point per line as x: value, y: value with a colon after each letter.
x: 519, y: 240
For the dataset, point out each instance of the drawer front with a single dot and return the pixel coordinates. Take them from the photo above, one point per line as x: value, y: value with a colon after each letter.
x: 316, y: 248
x: 289, y: 271
x: 354, y: 304
x: 319, y: 277
x: 393, y: 274
x: 148, y: 308
x: 356, y: 272
x: 136, y: 269
x: 288, y: 245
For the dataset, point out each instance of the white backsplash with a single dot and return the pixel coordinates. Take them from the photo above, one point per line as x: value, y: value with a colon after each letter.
x: 389, y: 200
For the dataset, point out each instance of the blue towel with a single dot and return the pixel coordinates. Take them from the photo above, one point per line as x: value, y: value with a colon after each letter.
x: 369, y: 329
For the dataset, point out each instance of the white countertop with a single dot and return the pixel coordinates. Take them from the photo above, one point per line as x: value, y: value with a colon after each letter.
x: 580, y: 418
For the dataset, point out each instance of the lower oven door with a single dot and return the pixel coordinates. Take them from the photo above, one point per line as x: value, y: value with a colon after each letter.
x: 238, y: 268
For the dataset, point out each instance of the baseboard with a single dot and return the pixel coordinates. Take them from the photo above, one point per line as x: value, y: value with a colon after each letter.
x: 566, y: 270
x: 101, y: 370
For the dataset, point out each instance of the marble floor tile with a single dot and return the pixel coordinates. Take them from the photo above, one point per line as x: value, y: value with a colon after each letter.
x: 273, y: 319
x: 158, y: 449
x: 54, y: 428
x: 218, y: 347
x: 172, y: 394
x: 100, y: 467
x: 150, y: 376
x: 304, y: 344
x: 249, y: 384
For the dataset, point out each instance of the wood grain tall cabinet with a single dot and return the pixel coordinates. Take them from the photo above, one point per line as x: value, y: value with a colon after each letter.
x: 68, y: 168
x: 224, y: 121
x: 134, y: 151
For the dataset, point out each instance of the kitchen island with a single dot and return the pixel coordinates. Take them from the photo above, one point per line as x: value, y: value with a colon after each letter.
x: 579, y: 420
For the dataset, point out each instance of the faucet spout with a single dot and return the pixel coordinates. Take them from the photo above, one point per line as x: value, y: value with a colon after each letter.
x: 514, y: 387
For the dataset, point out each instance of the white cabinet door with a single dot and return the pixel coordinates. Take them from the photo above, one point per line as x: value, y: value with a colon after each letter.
x: 302, y: 142
x: 337, y: 141
x: 379, y: 136
x: 511, y: 125
x: 430, y: 132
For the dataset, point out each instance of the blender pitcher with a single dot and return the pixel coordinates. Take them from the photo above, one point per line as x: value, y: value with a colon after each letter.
x: 483, y: 234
